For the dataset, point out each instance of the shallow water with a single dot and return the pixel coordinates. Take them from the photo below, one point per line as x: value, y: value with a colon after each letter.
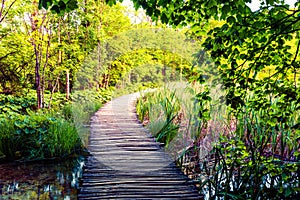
x: 41, y: 180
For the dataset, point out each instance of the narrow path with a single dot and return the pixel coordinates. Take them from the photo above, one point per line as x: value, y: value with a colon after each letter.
x: 126, y: 162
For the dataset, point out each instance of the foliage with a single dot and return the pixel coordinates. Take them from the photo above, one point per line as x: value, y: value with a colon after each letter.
x: 26, y: 103
x: 245, y: 45
x: 10, y: 105
x: 102, y: 95
x: 37, y: 136
x: 83, y: 106
x: 117, y: 56
x: 49, y: 133
x: 161, y: 109
x: 14, y: 74
x: 59, y: 7
x: 174, y: 111
x: 256, y: 160
x: 257, y: 55
x: 45, y: 51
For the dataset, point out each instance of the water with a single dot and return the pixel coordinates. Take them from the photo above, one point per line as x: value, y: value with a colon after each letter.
x: 48, y: 180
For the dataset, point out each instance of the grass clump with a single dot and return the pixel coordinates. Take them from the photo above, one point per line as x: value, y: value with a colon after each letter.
x: 247, y: 153
x: 159, y: 110
x: 37, y: 136
x: 169, y: 113
x: 56, y: 132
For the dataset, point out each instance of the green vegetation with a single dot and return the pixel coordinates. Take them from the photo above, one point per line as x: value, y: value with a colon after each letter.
x: 38, y: 136
x: 160, y: 109
x: 27, y: 134
x: 44, y: 105
x: 59, y: 65
x: 238, y: 139
x: 248, y: 156
x: 252, y: 149
x: 174, y: 112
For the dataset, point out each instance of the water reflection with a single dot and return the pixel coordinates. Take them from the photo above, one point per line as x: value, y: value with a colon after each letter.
x: 47, y: 180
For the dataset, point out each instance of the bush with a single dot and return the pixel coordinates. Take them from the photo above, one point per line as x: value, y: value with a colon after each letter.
x: 10, y: 105
x: 49, y: 133
x: 37, y: 136
x: 102, y: 95
x: 258, y: 159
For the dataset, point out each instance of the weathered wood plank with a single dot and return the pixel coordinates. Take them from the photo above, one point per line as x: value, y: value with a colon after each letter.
x: 126, y: 162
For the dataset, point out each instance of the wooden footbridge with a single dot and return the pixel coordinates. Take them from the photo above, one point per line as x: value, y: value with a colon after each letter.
x: 126, y: 162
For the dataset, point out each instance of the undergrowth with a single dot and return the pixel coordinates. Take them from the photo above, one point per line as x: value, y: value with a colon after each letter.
x: 250, y: 153
x: 62, y: 130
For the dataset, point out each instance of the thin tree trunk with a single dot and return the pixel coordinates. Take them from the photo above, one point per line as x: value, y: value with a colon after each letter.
x: 43, y: 83
x: 98, y: 66
x: 59, y: 56
x: 37, y: 78
x: 53, y: 90
x: 59, y: 61
x: 67, y: 84
x: 34, y: 23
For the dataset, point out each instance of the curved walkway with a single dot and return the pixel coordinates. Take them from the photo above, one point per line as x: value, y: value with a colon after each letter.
x: 126, y: 162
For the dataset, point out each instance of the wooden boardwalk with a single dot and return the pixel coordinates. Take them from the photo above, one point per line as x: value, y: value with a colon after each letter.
x: 126, y: 162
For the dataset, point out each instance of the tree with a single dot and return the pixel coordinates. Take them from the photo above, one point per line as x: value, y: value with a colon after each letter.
x: 257, y: 55
x: 106, y: 22
x: 14, y: 61
x: 43, y: 49
x: 245, y: 45
x: 138, y: 46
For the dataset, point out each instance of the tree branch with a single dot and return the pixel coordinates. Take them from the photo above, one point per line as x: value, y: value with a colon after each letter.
x: 2, y: 9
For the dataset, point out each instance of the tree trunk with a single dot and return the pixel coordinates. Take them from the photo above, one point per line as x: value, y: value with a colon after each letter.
x: 59, y: 58
x: 34, y: 23
x: 52, y: 91
x: 98, y: 66
x: 37, y: 77
x: 43, y: 81
x: 67, y: 84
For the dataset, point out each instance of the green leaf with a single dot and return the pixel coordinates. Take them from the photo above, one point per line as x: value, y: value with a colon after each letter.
x: 55, y: 9
x: 230, y: 20
x: 288, y: 191
x: 45, y: 4
x: 72, y: 5
x: 226, y: 9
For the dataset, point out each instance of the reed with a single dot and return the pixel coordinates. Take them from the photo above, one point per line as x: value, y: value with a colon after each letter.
x: 250, y: 154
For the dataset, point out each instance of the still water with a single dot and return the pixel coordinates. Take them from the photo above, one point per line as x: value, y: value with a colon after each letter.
x: 41, y: 180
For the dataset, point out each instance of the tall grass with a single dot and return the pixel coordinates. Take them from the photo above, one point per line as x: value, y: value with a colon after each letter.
x: 37, y: 136
x: 79, y: 113
x: 251, y: 154
x: 171, y: 114
x: 47, y: 133
x: 256, y: 160
x: 63, y: 139
x: 160, y: 109
x: 9, y: 143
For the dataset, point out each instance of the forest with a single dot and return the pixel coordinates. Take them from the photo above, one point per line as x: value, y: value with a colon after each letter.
x: 227, y: 99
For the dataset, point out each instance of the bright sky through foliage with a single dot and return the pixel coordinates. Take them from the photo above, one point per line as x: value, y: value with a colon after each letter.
x: 256, y: 3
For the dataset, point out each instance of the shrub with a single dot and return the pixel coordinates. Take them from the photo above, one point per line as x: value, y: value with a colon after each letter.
x: 258, y: 159
x: 10, y: 105
x: 37, y: 136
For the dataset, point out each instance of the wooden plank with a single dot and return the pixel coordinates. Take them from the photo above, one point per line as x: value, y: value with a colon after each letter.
x: 126, y: 162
